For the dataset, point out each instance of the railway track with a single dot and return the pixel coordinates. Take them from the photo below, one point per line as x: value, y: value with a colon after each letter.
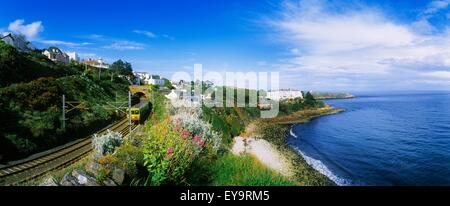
x: 61, y: 157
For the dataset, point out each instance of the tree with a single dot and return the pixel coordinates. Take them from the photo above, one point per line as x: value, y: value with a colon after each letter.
x: 168, y: 84
x: 154, y: 88
x: 122, y: 68
x: 310, y: 100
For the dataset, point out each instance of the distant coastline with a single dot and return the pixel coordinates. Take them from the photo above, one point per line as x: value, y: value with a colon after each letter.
x: 328, y: 96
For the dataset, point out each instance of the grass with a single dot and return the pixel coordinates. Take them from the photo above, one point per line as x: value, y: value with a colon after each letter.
x: 304, y: 116
x: 232, y: 170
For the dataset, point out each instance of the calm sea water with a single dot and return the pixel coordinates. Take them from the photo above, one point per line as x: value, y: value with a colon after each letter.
x: 388, y: 139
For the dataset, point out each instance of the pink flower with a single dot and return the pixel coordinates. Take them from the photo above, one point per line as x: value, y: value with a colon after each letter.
x: 197, y: 138
x: 169, y: 151
x: 185, y: 134
x: 202, y: 143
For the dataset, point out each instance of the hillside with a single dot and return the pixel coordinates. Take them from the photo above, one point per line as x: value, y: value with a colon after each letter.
x: 31, y: 102
x: 16, y: 67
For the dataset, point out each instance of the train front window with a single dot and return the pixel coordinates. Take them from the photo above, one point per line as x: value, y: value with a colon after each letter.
x: 135, y: 112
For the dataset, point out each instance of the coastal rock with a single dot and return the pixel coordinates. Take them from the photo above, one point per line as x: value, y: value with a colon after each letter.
x: 118, y: 175
x: 83, y: 179
x: 108, y: 182
x: 68, y: 180
x: 50, y: 181
x: 93, y: 167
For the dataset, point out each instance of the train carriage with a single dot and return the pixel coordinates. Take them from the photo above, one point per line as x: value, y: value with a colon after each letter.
x: 140, y: 112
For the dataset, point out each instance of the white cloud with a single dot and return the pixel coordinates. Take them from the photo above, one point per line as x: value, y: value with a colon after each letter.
x: 30, y: 31
x: 438, y: 74
x: 423, y: 25
x: 146, y: 33
x: 126, y: 45
x: 168, y: 37
x: 64, y: 43
x: 295, y: 51
x: 361, y: 43
x: 93, y: 37
x: 436, y: 6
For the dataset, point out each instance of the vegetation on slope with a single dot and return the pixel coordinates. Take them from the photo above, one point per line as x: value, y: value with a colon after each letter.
x: 31, y: 101
x: 232, y: 170
x: 16, y: 67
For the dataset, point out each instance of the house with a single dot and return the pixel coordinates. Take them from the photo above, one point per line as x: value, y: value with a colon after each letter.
x: 141, y: 77
x: 156, y: 80
x: 73, y: 56
x: 149, y: 79
x: 265, y: 106
x: 284, y: 94
x: 17, y: 41
x: 56, y: 55
x: 97, y: 63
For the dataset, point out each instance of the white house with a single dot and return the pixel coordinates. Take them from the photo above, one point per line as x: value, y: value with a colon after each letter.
x: 156, y: 81
x: 73, y: 56
x: 56, y: 55
x: 97, y: 63
x: 284, y: 94
x: 17, y: 41
x: 141, y: 77
x: 149, y: 79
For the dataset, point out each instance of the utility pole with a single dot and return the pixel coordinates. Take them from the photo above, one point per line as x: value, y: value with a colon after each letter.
x: 99, y: 73
x: 115, y: 103
x: 63, y: 112
x: 129, y: 110
x: 67, y: 107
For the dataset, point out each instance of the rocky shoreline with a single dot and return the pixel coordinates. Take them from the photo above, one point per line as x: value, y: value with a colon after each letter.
x: 271, y: 149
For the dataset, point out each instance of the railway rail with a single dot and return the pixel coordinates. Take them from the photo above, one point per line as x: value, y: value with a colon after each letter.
x: 59, y: 158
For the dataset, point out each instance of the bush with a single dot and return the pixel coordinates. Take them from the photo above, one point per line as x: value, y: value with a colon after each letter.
x: 196, y: 127
x: 169, y: 151
x: 128, y: 157
x: 106, y: 144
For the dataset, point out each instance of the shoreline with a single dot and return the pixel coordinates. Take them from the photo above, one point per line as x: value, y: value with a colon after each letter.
x: 297, y: 162
x: 331, y: 98
x: 273, y: 151
x: 310, y: 161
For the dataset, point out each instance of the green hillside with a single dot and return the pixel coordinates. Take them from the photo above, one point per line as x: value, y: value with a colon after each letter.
x: 31, y: 102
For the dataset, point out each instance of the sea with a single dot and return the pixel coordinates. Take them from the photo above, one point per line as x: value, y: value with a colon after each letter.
x: 382, y: 139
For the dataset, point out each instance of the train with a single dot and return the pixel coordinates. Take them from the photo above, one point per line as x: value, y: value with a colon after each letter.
x: 140, y: 112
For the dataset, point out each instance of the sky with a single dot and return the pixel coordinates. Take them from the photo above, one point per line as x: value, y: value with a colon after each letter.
x: 326, y: 45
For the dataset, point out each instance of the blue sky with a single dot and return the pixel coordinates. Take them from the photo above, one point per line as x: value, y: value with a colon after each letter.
x: 314, y: 44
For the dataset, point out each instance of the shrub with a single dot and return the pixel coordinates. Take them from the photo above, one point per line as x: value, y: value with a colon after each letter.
x: 169, y: 151
x: 128, y: 157
x: 196, y: 127
x: 107, y: 143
